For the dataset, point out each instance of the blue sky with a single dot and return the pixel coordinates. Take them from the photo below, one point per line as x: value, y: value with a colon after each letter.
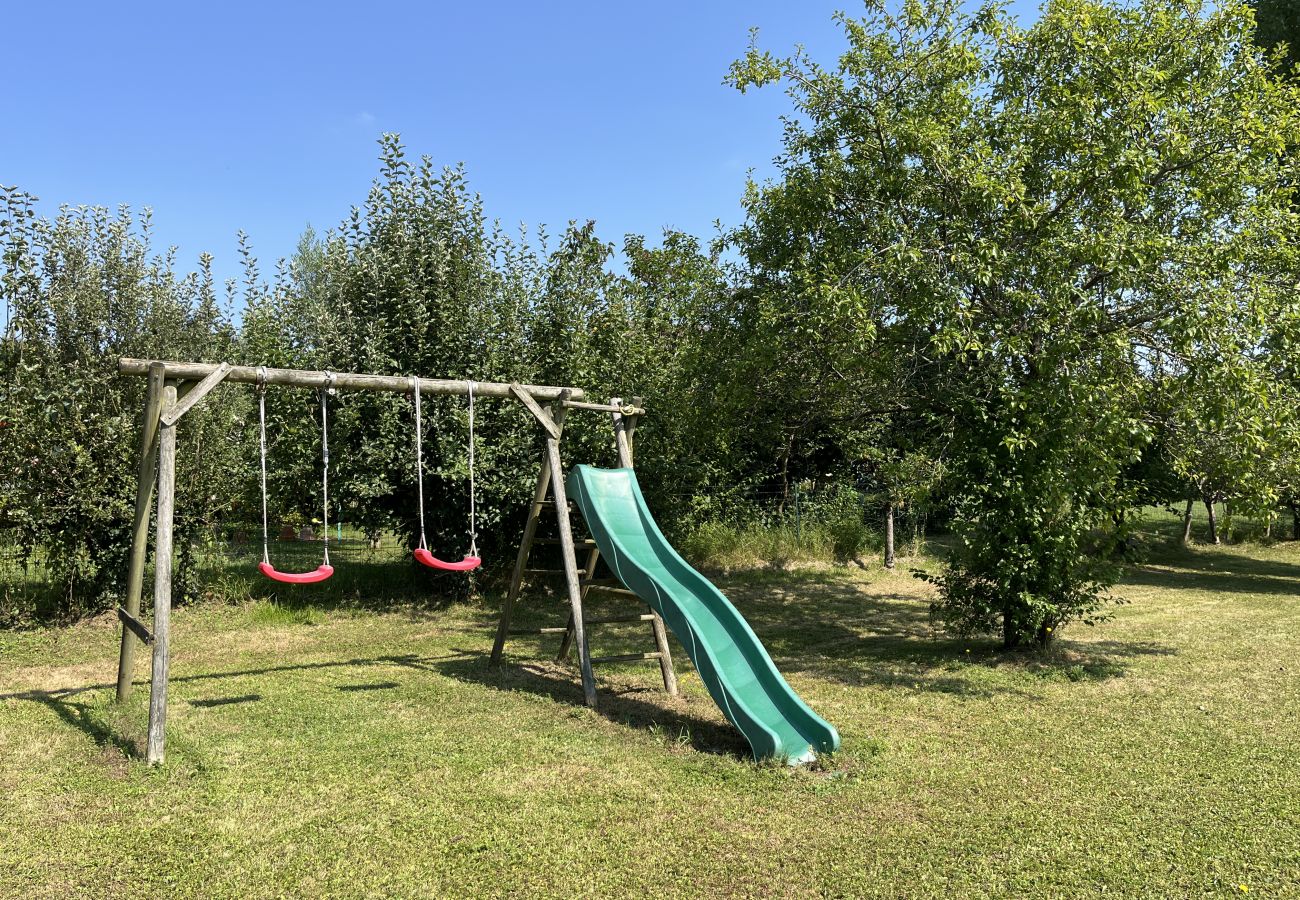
x: 265, y: 116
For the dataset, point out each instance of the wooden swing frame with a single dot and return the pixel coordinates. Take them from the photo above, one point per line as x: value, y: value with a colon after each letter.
x: 177, y: 387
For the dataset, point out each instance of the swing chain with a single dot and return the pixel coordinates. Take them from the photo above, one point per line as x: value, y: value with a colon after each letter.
x: 325, y: 461
x: 261, y: 418
x: 473, y: 527
x: 419, y: 469
x: 419, y: 459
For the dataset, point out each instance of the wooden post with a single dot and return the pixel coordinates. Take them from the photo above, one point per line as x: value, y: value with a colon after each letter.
x: 140, y: 528
x: 557, y: 413
x: 632, y: 421
x: 620, y: 436
x: 570, y: 562
x: 623, y: 431
x: 566, y: 642
x: 162, y: 582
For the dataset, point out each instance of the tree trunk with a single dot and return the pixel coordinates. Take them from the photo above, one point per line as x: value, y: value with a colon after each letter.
x: 1187, y: 522
x: 889, y: 536
x: 1010, y: 637
x: 1295, y: 521
x: 1214, y: 521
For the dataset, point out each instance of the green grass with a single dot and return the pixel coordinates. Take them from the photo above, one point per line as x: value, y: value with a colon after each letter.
x: 717, y: 545
x: 318, y: 749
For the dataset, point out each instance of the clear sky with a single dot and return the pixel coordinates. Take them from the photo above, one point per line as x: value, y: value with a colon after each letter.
x: 264, y: 116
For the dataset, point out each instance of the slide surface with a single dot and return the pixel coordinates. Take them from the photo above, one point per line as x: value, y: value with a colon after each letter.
x: 730, y: 659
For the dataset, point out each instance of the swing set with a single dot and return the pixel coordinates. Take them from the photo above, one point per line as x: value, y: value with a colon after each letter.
x: 174, y: 388
x: 421, y: 553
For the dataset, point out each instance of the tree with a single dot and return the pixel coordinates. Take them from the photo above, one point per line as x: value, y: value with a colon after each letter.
x: 82, y: 290
x: 418, y: 281
x: 1039, y: 215
x: 1278, y: 23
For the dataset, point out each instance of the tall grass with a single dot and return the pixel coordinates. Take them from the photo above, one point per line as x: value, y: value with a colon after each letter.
x: 721, y: 545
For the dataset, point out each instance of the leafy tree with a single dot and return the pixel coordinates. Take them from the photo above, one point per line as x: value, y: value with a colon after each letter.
x: 82, y: 290
x: 1038, y: 214
x: 417, y: 281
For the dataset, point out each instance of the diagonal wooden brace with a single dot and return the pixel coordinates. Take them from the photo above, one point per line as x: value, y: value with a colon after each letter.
x: 134, y: 625
x: 197, y: 393
x: 542, y: 416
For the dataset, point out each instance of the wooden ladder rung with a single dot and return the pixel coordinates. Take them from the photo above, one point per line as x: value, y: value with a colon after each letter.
x: 615, y: 620
x: 577, y: 542
x: 625, y: 657
x: 622, y: 592
x: 612, y: 620
x: 608, y: 585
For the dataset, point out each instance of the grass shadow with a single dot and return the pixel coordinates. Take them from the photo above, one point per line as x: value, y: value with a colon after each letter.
x: 628, y: 706
x: 225, y: 701
x: 83, y: 715
x: 1220, y: 571
x: 375, y: 686
x: 84, y: 718
x: 839, y: 629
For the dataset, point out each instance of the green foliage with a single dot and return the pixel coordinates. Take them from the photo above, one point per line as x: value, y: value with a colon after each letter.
x: 415, y: 281
x: 80, y: 291
x: 1037, y: 220
x: 418, y: 282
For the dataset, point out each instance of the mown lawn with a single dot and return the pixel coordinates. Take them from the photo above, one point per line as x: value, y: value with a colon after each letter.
x: 347, y: 752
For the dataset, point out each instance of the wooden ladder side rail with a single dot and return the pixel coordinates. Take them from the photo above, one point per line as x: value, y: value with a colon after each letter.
x: 540, y: 492
x: 568, y: 556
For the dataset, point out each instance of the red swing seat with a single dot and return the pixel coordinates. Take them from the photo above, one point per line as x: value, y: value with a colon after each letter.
x: 424, y: 557
x: 322, y: 572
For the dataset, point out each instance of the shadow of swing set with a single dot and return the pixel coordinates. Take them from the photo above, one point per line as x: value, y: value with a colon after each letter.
x: 731, y: 661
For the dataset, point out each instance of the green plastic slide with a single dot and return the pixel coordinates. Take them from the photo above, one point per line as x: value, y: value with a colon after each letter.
x: 730, y: 659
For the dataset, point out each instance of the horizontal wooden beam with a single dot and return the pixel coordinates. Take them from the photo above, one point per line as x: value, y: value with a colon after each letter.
x: 625, y: 409
x: 348, y: 381
x: 618, y: 620
x: 563, y: 629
